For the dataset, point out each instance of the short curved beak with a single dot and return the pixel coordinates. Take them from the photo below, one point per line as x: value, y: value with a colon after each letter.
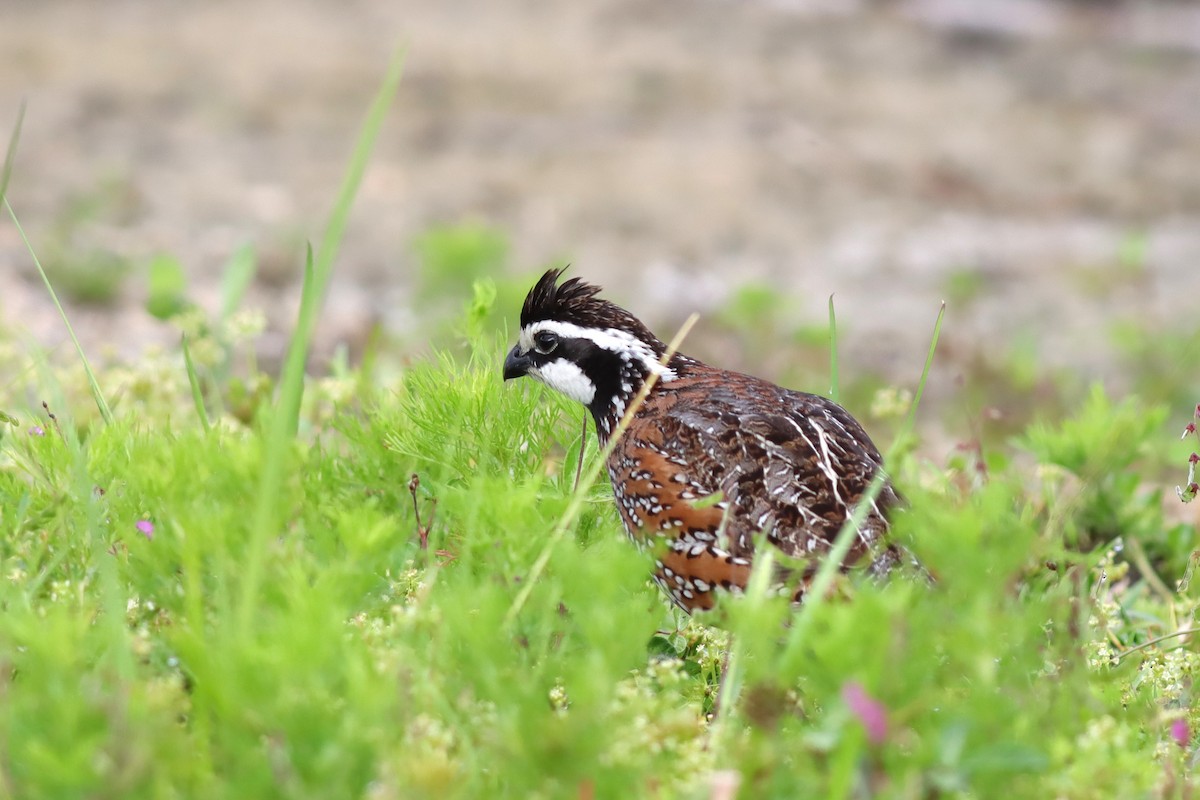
x: 517, y: 363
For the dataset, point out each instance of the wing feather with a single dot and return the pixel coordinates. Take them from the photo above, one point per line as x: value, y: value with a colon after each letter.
x: 795, y: 466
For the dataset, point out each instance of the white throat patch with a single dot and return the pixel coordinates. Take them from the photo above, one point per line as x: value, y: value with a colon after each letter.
x: 566, y: 377
x: 612, y: 339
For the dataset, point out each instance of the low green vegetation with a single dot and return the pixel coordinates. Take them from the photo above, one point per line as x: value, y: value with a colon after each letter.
x: 371, y: 653
x: 219, y: 583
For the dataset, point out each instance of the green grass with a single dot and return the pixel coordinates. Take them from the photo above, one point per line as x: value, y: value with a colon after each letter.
x: 213, y: 591
x: 368, y: 666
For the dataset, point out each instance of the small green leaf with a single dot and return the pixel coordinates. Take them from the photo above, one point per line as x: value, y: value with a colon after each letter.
x: 167, y: 288
x: 709, y: 500
x: 239, y: 274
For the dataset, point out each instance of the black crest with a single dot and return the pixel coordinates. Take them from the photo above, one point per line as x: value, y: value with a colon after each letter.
x: 575, y: 301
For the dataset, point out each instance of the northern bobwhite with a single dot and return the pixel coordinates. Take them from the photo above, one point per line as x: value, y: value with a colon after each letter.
x: 788, y: 463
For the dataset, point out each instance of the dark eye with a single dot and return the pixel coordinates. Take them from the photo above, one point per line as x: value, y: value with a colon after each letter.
x: 545, y: 342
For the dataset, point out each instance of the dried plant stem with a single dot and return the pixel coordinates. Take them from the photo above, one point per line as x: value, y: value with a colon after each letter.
x: 589, y: 477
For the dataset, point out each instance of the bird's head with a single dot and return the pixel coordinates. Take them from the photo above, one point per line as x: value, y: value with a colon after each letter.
x: 589, y: 349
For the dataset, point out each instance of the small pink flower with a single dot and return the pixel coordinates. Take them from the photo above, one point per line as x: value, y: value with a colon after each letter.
x: 146, y: 528
x: 723, y: 784
x: 1189, y: 430
x: 1180, y: 732
x: 870, y: 712
x: 36, y: 430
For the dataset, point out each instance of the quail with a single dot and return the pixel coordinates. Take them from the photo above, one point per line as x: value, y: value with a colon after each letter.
x: 712, y: 458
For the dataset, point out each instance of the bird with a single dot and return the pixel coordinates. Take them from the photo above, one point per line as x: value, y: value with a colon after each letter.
x: 712, y: 460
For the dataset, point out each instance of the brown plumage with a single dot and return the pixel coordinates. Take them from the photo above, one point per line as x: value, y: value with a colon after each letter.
x: 790, y: 464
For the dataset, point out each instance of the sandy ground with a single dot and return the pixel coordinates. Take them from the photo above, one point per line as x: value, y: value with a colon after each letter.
x: 1045, y: 153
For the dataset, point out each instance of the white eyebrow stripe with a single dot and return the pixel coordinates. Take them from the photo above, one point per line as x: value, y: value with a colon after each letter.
x: 612, y: 339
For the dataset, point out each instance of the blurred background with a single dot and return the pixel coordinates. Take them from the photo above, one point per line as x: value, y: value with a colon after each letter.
x: 1033, y: 163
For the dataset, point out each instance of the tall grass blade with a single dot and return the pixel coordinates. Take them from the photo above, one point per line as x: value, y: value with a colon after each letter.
x: 292, y: 380
x: 911, y: 419
x: 284, y: 423
x: 757, y: 591
x: 194, y: 381
x: 239, y: 273
x: 834, y: 383
x: 830, y: 565
x: 818, y: 591
x: 579, y: 497
x: 93, y: 384
x: 10, y: 154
